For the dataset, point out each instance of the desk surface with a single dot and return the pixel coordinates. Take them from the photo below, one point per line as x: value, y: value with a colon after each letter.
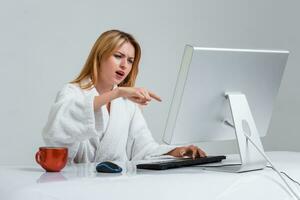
x: 81, y: 181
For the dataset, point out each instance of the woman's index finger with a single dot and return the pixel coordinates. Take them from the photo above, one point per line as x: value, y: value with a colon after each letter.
x: 154, y: 96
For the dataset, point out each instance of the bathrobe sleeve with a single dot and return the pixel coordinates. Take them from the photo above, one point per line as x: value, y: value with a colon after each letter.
x: 142, y: 144
x: 71, y: 123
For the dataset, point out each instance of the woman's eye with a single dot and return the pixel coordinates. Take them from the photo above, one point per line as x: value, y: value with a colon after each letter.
x: 117, y: 56
x: 130, y: 61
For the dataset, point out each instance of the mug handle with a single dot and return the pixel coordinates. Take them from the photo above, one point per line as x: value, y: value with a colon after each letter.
x: 39, y: 157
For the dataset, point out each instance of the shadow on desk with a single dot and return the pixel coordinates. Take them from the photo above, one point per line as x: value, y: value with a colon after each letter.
x: 182, y: 170
x: 51, y: 177
x: 31, y: 169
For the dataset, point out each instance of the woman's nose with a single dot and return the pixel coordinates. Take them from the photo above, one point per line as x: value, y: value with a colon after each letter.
x: 123, y: 64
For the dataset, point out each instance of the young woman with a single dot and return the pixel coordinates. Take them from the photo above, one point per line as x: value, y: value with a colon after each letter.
x: 97, y: 115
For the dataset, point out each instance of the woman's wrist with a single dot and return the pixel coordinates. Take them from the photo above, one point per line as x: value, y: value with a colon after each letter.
x: 107, y: 97
x: 114, y: 94
x: 119, y: 92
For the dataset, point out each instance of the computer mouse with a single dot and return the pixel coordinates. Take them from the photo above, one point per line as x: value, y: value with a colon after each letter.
x: 108, y: 167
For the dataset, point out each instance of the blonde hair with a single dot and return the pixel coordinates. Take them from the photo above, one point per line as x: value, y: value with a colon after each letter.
x: 104, y: 47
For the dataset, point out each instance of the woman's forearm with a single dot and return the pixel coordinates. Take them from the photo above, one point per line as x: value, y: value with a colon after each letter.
x: 105, y: 98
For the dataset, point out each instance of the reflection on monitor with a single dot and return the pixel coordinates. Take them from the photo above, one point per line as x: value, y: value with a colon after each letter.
x: 221, y: 92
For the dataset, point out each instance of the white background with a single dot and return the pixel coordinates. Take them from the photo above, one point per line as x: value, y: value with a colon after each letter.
x: 44, y: 44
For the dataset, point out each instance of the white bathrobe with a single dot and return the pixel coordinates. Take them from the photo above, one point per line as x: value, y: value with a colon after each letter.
x: 95, y: 136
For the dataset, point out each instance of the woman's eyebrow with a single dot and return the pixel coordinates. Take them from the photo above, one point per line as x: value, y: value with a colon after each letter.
x: 124, y: 54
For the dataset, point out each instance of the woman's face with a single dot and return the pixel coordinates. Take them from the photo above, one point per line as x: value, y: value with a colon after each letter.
x: 116, y: 67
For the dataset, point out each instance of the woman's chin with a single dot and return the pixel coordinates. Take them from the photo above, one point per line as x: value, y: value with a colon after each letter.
x: 117, y: 81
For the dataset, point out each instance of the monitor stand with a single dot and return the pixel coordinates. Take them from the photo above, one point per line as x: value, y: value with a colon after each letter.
x: 243, y: 123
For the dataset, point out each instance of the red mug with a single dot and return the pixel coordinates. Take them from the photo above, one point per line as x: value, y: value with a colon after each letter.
x: 52, y: 159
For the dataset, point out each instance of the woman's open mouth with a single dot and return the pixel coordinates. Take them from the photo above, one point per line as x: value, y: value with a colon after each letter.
x: 120, y: 74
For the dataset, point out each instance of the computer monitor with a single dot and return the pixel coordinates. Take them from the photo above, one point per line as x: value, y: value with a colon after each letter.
x: 222, y: 93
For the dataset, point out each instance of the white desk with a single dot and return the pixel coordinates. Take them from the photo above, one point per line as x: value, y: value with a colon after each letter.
x: 83, y: 182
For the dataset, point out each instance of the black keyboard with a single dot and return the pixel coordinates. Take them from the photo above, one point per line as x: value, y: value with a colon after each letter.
x: 181, y: 162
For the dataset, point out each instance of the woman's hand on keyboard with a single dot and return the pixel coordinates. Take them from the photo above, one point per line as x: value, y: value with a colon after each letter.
x: 190, y: 151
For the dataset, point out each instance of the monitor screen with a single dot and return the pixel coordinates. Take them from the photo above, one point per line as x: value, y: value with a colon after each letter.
x: 199, y: 107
